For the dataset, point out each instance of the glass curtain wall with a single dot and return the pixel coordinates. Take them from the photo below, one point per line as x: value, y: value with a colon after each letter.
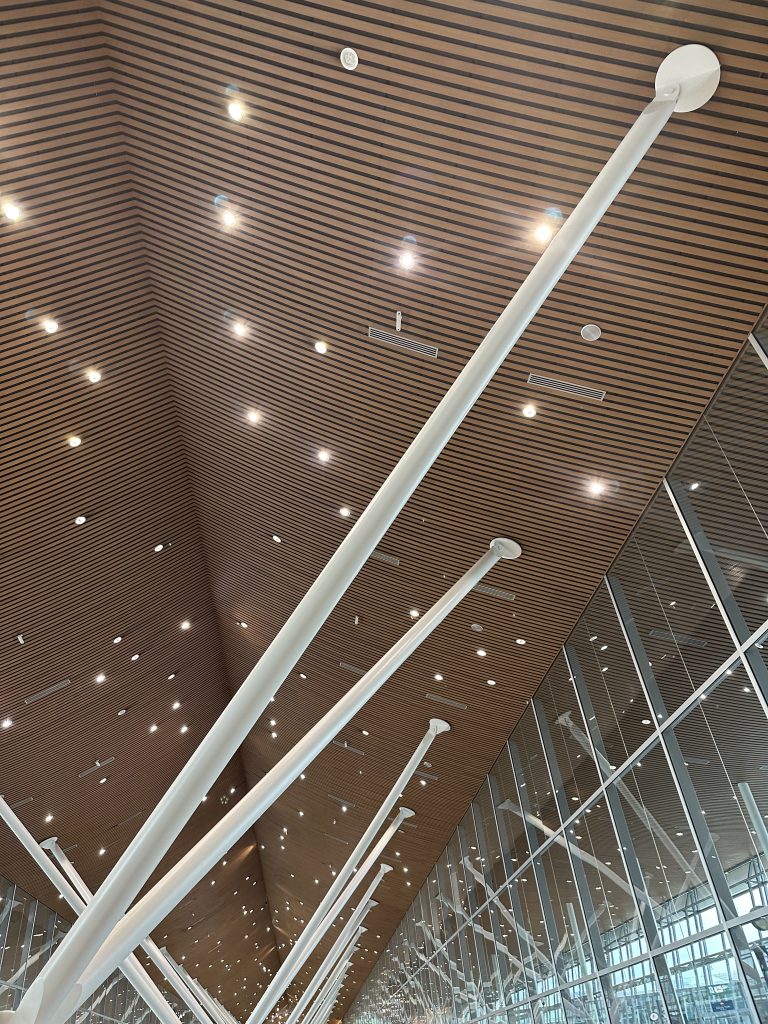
x: 613, y: 868
x: 29, y: 934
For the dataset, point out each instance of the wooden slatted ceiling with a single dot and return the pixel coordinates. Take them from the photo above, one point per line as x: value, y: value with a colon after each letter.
x: 461, y: 126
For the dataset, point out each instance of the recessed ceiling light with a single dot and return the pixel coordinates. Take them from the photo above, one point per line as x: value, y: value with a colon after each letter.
x: 414, y: 613
x: 49, y: 325
x: 345, y: 512
x: 102, y: 781
x: 228, y: 219
x: 74, y: 441
x: 324, y: 455
x: 243, y: 625
x: 273, y: 735
x: 176, y: 705
x: 520, y: 641
x: 344, y: 808
x: 121, y: 712
x: 135, y: 657
x: 20, y: 638
x: 491, y: 682
x: 6, y: 723
x: 80, y: 520
x: 321, y: 347
x: 153, y: 728
x: 543, y: 232
x: 236, y: 110
x: 172, y: 675
x: 100, y: 678
x: 438, y: 677
x: 253, y: 416
x: 102, y: 851
x: 184, y: 728
x: 349, y: 59
x: 158, y: 548
x: 590, y: 332
x: 694, y: 486
x: 365, y: 732
x: 276, y: 539
x: 596, y: 488
x: 529, y: 411
x: 239, y: 328
x: 48, y: 818
x: 93, y: 375
x: 481, y: 652
x: 186, y: 624
x: 11, y: 211
x: 406, y: 260
x: 117, y: 640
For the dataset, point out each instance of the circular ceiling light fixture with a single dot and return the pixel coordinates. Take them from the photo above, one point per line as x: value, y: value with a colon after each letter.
x: 93, y: 375
x: 74, y: 441
x: 406, y: 260
x: 321, y: 347
x: 529, y: 411
x: 11, y: 211
x: 349, y: 59
x: 49, y: 325
x: 80, y: 520
x: 590, y: 332
x: 236, y: 110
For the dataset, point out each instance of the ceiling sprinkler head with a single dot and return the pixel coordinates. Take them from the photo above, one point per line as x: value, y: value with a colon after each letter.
x: 348, y: 58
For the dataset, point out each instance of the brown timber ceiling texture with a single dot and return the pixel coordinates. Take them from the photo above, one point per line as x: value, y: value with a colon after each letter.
x: 462, y: 125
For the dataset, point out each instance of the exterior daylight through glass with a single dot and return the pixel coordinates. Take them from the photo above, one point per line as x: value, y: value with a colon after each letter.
x: 613, y: 868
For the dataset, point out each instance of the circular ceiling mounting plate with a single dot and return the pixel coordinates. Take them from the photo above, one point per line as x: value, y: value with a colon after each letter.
x: 695, y: 69
x: 349, y: 58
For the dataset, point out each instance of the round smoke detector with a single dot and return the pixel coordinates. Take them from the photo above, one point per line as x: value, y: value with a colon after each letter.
x: 348, y: 58
x: 590, y: 332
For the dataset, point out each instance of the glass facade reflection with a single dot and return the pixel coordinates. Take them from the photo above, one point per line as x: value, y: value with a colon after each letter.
x: 29, y: 934
x: 613, y: 868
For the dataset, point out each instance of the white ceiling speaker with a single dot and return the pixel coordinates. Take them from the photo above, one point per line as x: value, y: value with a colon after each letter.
x: 590, y: 332
x: 348, y: 58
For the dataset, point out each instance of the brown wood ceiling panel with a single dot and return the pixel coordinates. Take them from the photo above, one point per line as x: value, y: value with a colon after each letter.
x: 461, y: 126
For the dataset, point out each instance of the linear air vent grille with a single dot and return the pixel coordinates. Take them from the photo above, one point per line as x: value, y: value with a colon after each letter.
x: 562, y: 385
x: 337, y: 838
x: 348, y: 746
x: 340, y: 801
x: 351, y: 668
x: 35, y: 697
x: 698, y: 762
x: 95, y: 767
x: 681, y: 639
x: 382, y: 556
x: 486, y: 588
x: 22, y: 803
x: 401, y: 341
x: 446, y: 701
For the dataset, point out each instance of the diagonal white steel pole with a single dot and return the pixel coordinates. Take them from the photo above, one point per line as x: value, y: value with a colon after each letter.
x: 324, y: 1011
x: 154, y: 906
x: 324, y: 982
x: 149, y: 947
x: 324, y: 977
x: 319, y: 924
x: 131, y: 968
x: 686, y: 79
x: 230, y: 1017
x: 218, y: 1014
x: 346, y: 881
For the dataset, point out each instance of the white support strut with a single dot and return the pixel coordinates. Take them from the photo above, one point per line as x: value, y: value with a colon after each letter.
x: 685, y: 80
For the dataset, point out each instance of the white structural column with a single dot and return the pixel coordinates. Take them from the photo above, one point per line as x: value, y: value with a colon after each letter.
x: 225, y: 1011
x: 326, y: 974
x: 311, y: 937
x: 325, y: 1008
x: 686, y: 79
x: 315, y: 927
x: 216, y: 1012
x: 157, y: 903
x: 149, y: 947
x: 131, y: 968
x: 327, y: 982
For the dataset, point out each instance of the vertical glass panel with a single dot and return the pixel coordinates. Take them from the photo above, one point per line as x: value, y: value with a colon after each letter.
x: 488, y: 838
x: 521, y: 1015
x: 41, y: 943
x: 530, y: 768
x: 572, y: 953
x: 585, y: 1004
x: 726, y: 459
x: 14, y: 953
x: 752, y: 941
x: 595, y: 846
x: 706, y: 983
x: 515, y: 848
x: 557, y: 698
x: 549, y: 1010
x: 724, y: 741
x: 619, y: 705
x: 514, y: 960
x: 633, y: 995
x: 661, y: 841
x: 532, y: 933
x: 679, y: 624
